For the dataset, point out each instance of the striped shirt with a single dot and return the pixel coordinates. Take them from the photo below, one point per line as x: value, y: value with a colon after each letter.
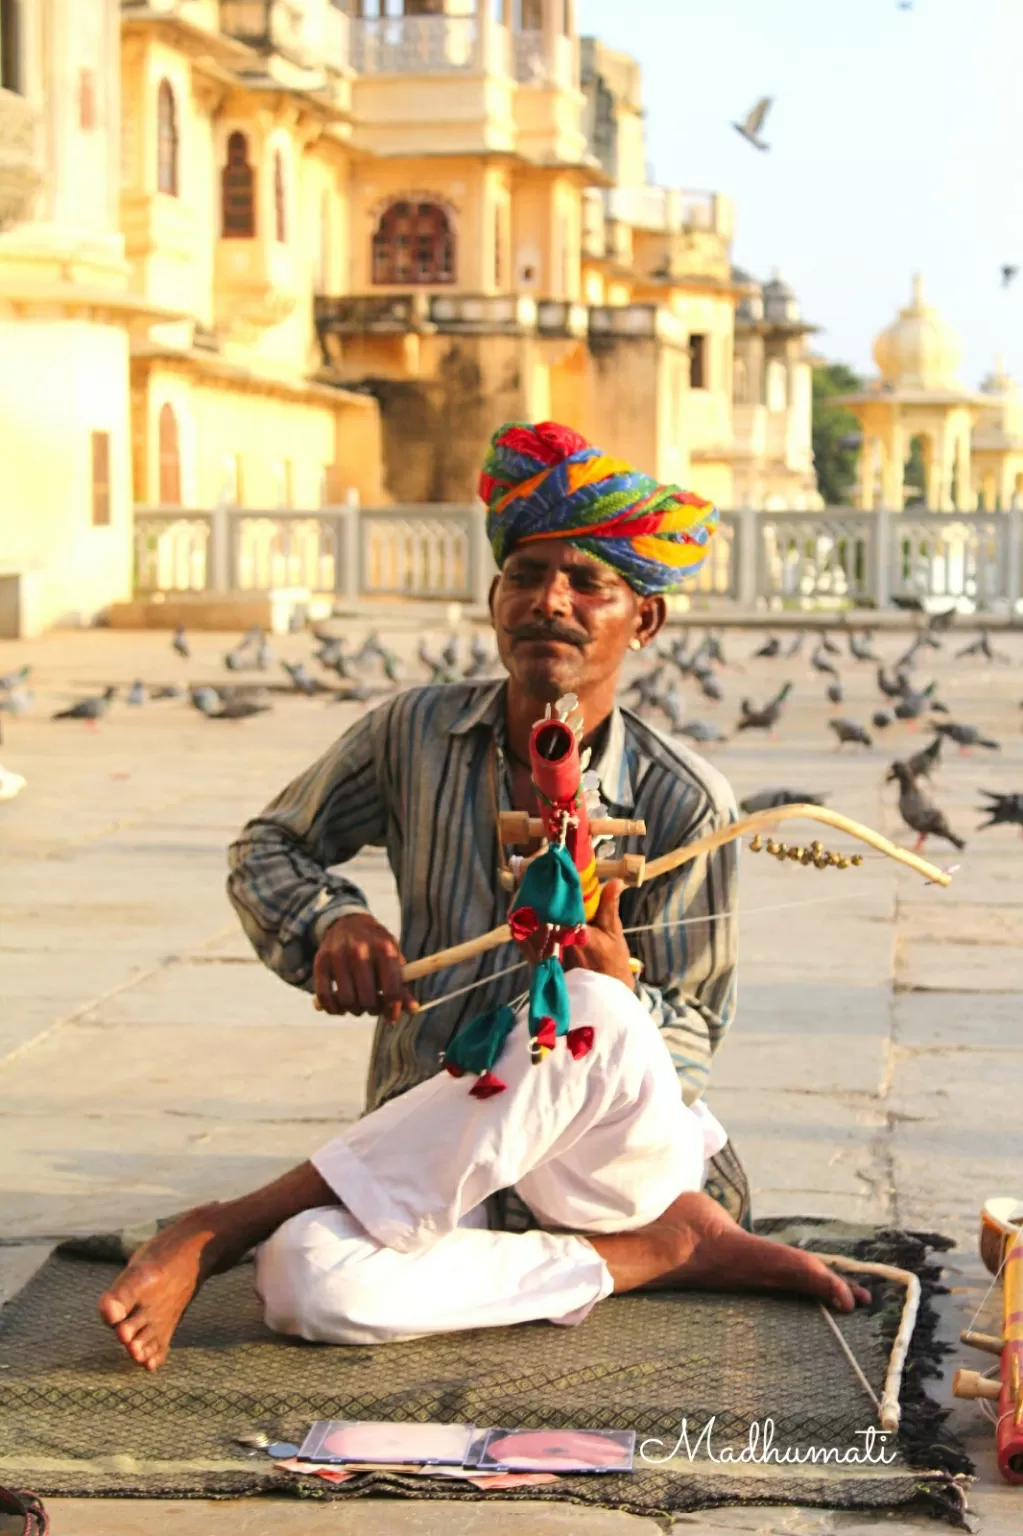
x: 422, y: 776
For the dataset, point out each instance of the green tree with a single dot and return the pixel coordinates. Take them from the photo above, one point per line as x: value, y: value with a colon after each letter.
x: 836, y: 433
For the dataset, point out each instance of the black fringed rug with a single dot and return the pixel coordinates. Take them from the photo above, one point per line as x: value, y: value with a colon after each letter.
x: 79, y: 1419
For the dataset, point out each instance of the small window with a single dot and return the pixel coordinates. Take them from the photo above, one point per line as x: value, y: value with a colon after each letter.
x: 170, y: 458
x: 166, y: 141
x: 280, y: 219
x: 11, y: 76
x: 414, y: 243
x: 100, y: 479
x: 237, y: 192
x: 697, y: 362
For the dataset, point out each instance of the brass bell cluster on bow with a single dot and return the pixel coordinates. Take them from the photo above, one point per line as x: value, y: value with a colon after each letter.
x: 815, y: 854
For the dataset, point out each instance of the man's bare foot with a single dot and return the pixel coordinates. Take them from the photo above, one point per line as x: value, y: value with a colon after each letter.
x: 145, y: 1302
x: 696, y: 1244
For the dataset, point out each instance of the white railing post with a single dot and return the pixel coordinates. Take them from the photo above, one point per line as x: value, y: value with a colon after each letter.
x: 348, y: 578
x: 1013, y: 557
x: 748, y: 575
x: 882, y: 553
x: 218, y: 573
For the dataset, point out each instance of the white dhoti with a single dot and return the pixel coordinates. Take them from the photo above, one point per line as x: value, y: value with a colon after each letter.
x: 600, y: 1144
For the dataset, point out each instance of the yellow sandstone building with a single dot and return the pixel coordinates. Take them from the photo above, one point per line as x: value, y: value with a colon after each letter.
x: 297, y: 253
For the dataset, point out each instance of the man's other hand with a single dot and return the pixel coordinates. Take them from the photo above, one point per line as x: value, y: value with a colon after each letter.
x: 604, y: 948
x: 358, y: 970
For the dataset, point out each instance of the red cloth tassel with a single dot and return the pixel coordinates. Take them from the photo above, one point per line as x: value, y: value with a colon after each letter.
x: 547, y: 1035
x: 580, y: 1041
x: 523, y: 923
x: 486, y: 1086
x: 573, y: 936
x: 449, y: 1066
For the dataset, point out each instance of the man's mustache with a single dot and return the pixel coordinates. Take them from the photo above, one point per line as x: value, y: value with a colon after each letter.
x: 562, y: 633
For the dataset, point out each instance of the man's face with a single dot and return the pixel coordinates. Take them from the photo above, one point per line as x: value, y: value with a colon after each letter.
x: 564, y: 620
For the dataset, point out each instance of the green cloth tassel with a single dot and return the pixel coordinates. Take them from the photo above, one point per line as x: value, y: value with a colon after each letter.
x: 477, y: 1046
x: 548, y: 998
x: 551, y: 887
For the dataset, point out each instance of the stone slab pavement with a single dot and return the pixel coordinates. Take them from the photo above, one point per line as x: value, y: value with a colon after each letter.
x: 147, y: 1060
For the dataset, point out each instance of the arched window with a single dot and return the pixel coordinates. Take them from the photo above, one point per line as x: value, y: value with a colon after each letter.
x: 170, y: 458
x: 280, y: 219
x: 237, y: 191
x: 166, y: 141
x: 414, y: 243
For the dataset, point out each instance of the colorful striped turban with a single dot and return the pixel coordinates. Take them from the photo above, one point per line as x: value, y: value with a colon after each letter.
x: 547, y: 482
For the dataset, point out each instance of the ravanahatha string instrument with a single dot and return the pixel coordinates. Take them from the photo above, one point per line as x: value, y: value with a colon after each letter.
x: 557, y: 891
x: 1001, y: 1248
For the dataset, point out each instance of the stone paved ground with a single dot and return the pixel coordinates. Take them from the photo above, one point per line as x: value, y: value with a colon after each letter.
x: 146, y: 1059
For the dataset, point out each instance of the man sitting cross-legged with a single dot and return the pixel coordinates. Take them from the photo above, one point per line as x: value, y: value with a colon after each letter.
x: 383, y: 1235
x: 390, y: 1231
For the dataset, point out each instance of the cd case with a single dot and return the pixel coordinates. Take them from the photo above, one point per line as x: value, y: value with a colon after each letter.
x: 369, y: 1441
x: 558, y: 1450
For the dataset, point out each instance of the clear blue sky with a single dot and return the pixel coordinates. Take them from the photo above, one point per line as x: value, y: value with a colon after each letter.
x: 896, y: 144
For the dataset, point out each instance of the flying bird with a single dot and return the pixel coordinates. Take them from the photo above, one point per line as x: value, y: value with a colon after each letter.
x: 796, y: 646
x: 1008, y: 274
x: 765, y: 719
x: 1004, y: 810
x: 826, y: 643
x: 919, y: 811
x: 915, y: 700
x: 753, y: 122
x: 772, y: 799
x: 301, y: 679
x: 849, y: 733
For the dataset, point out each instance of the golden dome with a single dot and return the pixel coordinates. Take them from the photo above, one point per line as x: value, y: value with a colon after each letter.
x: 919, y: 350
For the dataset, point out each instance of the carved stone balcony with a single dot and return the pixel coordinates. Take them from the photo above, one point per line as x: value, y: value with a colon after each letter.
x: 19, y: 173
x: 415, y: 45
x: 255, y: 285
x: 316, y: 38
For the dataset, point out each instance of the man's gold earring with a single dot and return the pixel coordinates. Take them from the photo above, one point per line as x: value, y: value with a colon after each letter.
x: 635, y: 644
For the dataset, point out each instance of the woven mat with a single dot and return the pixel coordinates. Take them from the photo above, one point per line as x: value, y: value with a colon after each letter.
x: 79, y: 1418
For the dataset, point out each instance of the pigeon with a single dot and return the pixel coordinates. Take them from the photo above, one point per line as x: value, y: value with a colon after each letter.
x: 710, y: 687
x: 180, y: 642
x: 700, y: 730
x: 982, y: 647
x: 849, y: 733
x: 965, y: 736
x: 891, y: 687
x: 360, y: 693
x: 825, y: 643
x: 333, y: 655
x: 240, y: 659
x: 880, y: 719
x: 835, y: 694
x: 167, y: 691
x: 859, y: 649
x: 919, y: 811
x: 1008, y: 274
x: 771, y: 799
x: 206, y: 700
x: 237, y: 707
x: 752, y: 123
x: 820, y: 662
x: 673, y: 705
x: 296, y: 621
x: 136, y: 694
x: 264, y: 655
x: 647, y: 687
x: 907, y: 660
x: 1004, y: 810
x: 300, y: 677
x: 18, y: 700
x: 765, y: 719
x: 449, y: 655
x: 714, y: 650
x: 12, y: 679
x: 796, y: 646
x: 479, y: 658
x: 11, y: 783
x: 943, y: 620
x: 770, y: 648
x: 915, y: 700
x: 370, y: 647
x: 91, y: 709
x: 391, y: 664
x: 923, y: 763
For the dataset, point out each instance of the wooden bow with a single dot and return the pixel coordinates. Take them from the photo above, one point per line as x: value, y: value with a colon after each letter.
x: 458, y: 953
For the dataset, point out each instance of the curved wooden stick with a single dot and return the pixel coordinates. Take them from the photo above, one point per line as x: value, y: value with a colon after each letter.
x: 668, y: 861
x: 770, y: 818
x: 889, y: 1408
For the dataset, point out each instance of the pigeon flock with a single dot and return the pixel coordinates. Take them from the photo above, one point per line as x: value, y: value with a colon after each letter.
x: 682, y: 666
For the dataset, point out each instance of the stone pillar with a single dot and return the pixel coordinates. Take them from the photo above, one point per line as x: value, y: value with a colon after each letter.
x: 868, y: 459
x: 893, y: 493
